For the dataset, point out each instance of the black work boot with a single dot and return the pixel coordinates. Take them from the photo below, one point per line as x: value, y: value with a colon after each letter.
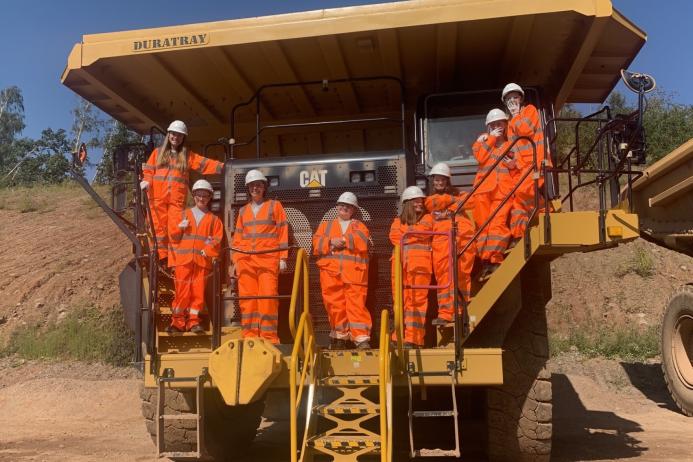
x: 365, y: 345
x: 338, y: 344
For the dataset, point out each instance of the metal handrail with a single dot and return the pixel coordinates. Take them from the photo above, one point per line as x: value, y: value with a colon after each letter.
x: 397, y: 305
x: 451, y: 260
x: 384, y: 360
x: 300, y: 270
x: 301, y: 359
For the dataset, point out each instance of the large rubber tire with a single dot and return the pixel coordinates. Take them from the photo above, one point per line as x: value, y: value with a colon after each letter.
x: 519, y: 413
x: 677, y: 348
x: 229, y: 430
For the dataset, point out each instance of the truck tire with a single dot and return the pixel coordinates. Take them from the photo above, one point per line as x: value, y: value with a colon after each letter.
x: 519, y: 413
x: 228, y: 429
x: 677, y: 348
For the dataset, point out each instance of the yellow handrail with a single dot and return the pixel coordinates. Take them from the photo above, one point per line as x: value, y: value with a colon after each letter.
x: 398, y: 303
x: 304, y: 346
x: 384, y: 380
x: 301, y: 269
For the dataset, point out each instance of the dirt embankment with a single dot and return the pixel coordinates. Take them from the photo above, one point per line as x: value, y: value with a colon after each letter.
x: 59, y: 252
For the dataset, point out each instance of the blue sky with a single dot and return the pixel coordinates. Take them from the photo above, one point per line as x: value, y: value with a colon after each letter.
x: 37, y: 36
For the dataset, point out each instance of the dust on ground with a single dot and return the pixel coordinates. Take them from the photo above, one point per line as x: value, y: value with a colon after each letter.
x: 603, y: 410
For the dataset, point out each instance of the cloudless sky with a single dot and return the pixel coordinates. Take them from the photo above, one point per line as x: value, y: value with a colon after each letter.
x: 37, y: 36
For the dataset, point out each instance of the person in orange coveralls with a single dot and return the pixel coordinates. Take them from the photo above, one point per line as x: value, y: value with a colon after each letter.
x: 416, y: 263
x: 165, y: 178
x: 342, y: 245
x: 525, y: 121
x: 441, y: 204
x: 196, y: 240
x: 492, y: 190
x: 261, y: 225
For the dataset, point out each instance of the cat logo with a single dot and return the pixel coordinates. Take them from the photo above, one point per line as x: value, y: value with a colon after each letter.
x: 312, y: 178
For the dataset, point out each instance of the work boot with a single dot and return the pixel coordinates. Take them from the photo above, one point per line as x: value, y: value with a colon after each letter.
x: 338, y: 344
x: 197, y: 329
x: 172, y: 329
x: 409, y: 345
x: 487, y: 270
x: 365, y: 345
x: 440, y: 322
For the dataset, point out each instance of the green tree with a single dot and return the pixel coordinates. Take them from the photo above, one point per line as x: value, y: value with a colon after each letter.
x: 42, y: 160
x: 11, y: 125
x: 117, y: 135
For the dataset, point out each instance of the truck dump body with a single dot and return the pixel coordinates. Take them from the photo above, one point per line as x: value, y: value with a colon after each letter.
x: 144, y: 78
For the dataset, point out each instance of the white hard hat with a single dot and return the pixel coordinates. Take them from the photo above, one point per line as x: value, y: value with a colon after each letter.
x: 178, y: 126
x: 254, y: 175
x: 511, y: 87
x: 441, y: 168
x: 495, y: 115
x: 202, y: 184
x: 412, y: 192
x: 348, y: 198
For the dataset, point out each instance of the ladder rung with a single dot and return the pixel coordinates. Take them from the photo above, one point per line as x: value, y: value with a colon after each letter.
x: 180, y: 417
x: 182, y: 455
x: 343, y: 442
x: 185, y: 334
x: 349, y: 380
x: 434, y: 414
x: 352, y: 410
x: 436, y: 453
x: 428, y: 374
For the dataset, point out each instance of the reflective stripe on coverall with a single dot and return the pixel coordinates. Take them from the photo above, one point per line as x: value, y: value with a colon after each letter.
x: 526, y: 123
x: 344, y: 279
x: 191, y: 268
x: 441, y: 250
x: 494, y: 239
x: 258, y: 275
x: 168, y: 189
x: 416, y: 263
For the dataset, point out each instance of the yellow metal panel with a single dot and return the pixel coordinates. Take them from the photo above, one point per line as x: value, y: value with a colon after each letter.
x: 244, y: 369
x: 480, y: 366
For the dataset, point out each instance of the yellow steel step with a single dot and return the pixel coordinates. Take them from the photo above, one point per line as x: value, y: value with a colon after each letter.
x: 349, y: 380
x: 344, y: 442
x: 185, y: 334
x: 361, y: 409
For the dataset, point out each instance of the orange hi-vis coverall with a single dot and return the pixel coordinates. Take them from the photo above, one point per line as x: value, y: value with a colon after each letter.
x: 192, y: 249
x: 344, y: 278
x: 258, y: 275
x: 445, y: 204
x: 494, y: 239
x: 526, y: 123
x: 416, y: 270
x: 168, y: 189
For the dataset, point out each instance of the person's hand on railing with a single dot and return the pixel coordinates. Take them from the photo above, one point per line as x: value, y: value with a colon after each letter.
x: 282, y: 266
x: 144, y: 185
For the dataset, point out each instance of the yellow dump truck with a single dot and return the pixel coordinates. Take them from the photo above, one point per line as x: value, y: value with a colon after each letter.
x: 366, y: 99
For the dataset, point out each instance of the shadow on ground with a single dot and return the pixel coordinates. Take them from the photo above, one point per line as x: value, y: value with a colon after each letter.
x: 582, y: 434
x: 649, y: 380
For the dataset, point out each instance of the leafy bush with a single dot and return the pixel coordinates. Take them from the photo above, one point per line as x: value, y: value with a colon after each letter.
x: 85, y: 334
x: 627, y: 343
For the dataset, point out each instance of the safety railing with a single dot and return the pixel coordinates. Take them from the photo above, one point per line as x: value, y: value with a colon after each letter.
x: 302, y: 361
x: 383, y: 383
x: 605, y: 158
x: 451, y: 260
x: 397, y: 305
x: 239, y: 298
x: 299, y: 292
